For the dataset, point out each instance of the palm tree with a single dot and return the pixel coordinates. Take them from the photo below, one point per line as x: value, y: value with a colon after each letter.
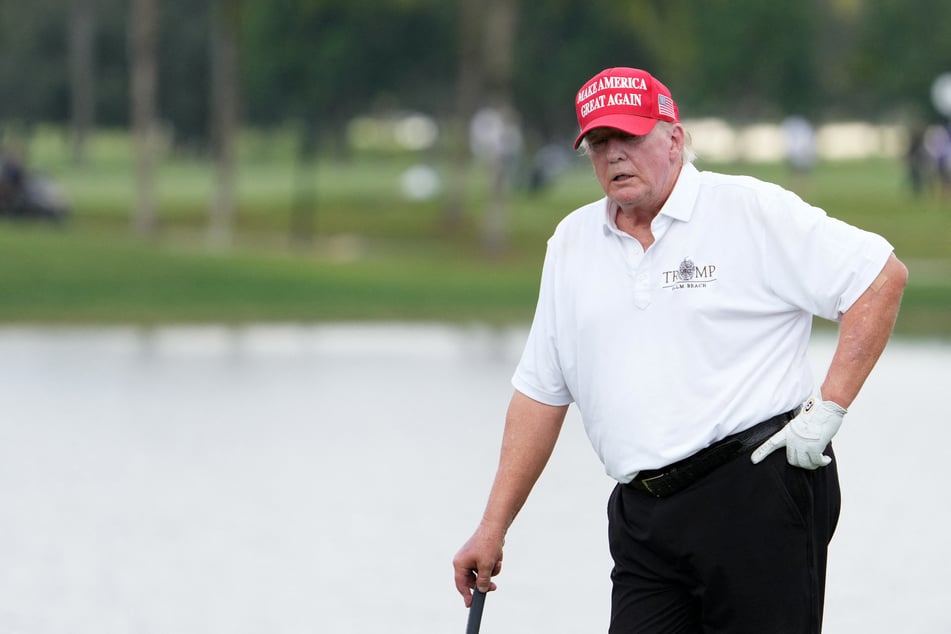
x: 143, y: 27
x: 224, y: 117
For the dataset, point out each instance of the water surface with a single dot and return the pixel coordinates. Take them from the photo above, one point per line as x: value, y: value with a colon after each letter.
x: 290, y: 479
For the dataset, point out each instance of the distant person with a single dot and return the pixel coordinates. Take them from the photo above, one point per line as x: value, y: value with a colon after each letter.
x: 938, y: 142
x: 548, y: 163
x: 28, y: 196
x: 12, y: 181
x: 676, y: 313
x: 800, y: 143
x: 918, y: 161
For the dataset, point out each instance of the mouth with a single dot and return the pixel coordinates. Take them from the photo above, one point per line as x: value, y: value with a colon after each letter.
x: 622, y: 177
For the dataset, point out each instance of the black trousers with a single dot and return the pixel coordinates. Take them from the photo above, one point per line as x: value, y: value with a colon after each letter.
x: 743, y: 550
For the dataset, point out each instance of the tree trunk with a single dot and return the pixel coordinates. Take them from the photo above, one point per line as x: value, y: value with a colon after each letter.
x: 82, y: 76
x: 499, y: 55
x: 468, y: 82
x: 143, y: 27
x: 224, y: 118
x: 303, y: 225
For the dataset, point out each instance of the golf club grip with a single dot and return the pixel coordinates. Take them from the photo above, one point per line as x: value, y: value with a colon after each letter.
x: 475, y: 612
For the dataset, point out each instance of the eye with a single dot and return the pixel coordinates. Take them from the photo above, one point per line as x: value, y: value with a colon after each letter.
x: 598, y: 141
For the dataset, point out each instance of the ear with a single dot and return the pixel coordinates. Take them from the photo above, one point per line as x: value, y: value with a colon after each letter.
x: 677, y: 140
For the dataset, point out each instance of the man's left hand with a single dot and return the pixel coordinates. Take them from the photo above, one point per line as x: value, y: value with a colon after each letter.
x: 806, y: 436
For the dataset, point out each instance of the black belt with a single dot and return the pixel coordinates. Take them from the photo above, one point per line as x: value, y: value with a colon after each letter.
x: 674, y: 477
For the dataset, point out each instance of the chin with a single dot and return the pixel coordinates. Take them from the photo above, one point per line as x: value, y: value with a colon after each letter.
x: 626, y: 196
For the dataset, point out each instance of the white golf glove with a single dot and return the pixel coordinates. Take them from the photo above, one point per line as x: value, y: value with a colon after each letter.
x: 807, y: 435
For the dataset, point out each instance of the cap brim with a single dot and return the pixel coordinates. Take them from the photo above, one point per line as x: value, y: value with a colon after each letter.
x: 638, y: 126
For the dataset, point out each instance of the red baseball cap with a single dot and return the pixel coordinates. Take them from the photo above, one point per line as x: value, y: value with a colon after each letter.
x: 628, y: 99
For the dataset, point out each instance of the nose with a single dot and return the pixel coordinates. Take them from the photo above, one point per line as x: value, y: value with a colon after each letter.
x: 615, y: 150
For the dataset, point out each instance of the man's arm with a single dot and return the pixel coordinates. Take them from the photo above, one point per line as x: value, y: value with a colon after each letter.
x: 531, y: 430
x: 863, y: 333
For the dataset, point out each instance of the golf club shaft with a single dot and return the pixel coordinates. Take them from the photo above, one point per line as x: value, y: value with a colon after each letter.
x: 475, y: 612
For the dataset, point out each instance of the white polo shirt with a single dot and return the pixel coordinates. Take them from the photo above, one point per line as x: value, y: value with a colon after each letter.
x: 703, y: 335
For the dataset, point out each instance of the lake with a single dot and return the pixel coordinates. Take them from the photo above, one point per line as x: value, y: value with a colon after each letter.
x: 297, y: 478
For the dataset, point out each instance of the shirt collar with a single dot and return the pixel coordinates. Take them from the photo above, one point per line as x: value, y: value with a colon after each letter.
x: 680, y: 203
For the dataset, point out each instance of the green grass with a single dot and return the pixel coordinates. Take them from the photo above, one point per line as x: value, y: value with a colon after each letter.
x: 73, y: 277
x: 374, y: 254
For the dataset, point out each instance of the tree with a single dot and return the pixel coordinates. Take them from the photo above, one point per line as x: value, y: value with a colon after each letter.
x: 224, y: 117
x: 33, y: 77
x: 467, y: 86
x: 484, y: 100
x: 142, y: 44
x: 499, y: 54
x: 338, y: 58
x: 561, y: 44
x: 901, y: 48
x: 82, y: 75
x: 184, y: 70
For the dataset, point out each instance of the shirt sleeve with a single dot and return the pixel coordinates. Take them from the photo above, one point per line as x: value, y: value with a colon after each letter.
x: 817, y: 263
x: 539, y: 374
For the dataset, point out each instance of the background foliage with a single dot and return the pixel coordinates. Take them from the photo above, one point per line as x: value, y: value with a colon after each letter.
x: 331, y: 59
x: 324, y: 230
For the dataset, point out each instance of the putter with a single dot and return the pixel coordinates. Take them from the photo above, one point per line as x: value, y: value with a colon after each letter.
x: 475, y: 612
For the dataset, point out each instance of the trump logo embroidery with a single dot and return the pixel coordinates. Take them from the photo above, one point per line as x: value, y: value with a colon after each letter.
x: 689, y: 275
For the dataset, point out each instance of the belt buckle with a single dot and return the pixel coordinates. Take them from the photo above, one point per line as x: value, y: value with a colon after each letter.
x: 647, y: 486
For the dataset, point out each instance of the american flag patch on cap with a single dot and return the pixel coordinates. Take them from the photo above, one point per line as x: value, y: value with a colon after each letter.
x: 665, y: 106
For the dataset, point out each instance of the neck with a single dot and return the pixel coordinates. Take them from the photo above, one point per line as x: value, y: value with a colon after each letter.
x: 635, y: 220
x: 636, y: 224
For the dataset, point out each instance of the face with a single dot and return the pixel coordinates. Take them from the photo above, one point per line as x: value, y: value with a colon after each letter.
x: 637, y: 172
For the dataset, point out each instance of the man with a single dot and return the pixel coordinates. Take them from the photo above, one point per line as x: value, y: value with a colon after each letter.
x: 676, y: 314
